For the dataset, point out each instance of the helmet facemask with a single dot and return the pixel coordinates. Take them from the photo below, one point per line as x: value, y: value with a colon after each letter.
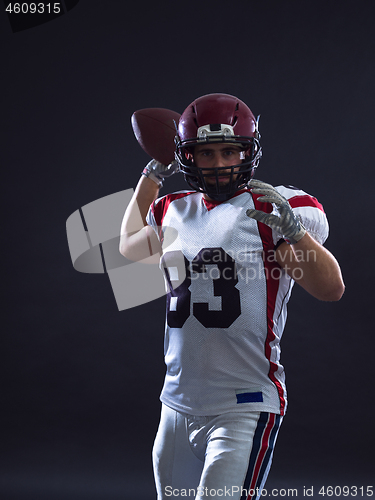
x: 240, y: 174
x: 211, y: 119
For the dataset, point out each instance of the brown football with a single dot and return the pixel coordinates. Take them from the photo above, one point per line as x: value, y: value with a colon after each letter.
x: 155, y: 132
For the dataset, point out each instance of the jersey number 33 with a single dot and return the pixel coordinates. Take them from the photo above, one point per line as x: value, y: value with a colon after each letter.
x: 208, y: 291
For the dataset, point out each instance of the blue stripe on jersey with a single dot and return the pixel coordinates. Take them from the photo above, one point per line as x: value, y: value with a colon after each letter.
x: 249, y: 397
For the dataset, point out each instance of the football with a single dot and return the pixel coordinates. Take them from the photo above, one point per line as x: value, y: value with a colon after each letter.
x: 155, y: 131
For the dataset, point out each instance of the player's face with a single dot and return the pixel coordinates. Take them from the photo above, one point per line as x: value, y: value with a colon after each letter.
x: 216, y: 157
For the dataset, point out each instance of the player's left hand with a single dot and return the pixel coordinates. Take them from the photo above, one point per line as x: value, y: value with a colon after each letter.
x: 286, y: 222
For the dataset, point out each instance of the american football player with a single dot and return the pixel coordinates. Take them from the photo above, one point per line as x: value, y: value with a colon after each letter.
x: 241, y: 245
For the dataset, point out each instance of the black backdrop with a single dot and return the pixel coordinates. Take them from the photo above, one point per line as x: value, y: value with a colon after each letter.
x: 81, y: 380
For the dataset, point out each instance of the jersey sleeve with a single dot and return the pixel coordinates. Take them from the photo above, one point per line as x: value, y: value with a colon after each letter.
x: 159, y: 208
x: 150, y: 217
x: 156, y: 213
x: 309, y: 211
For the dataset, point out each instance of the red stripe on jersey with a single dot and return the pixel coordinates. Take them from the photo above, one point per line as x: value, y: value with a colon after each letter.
x: 262, y: 451
x: 272, y: 289
x: 305, y: 201
x: 160, y: 208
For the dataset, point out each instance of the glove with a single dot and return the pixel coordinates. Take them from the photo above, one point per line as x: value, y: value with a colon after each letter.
x: 286, y: 222
x: 157, y: 172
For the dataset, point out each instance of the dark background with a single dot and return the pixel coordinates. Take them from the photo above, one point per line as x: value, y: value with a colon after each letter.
x: 81, y: 380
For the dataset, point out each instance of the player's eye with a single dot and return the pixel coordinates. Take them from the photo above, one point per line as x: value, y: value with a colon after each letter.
x: 230, y: 152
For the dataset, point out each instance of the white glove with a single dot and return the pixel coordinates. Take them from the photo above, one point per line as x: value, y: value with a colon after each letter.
x: 286, y: 223
x: 157, y: 172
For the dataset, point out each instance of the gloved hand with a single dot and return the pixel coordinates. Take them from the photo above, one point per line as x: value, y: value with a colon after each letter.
x: 286, y: 223
x: 157, y: 172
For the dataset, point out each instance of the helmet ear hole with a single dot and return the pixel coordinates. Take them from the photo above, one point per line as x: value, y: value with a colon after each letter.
x: 249, y: 151
x: 188, y: 153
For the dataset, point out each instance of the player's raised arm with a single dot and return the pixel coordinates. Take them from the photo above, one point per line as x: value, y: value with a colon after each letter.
x: 138, y: 240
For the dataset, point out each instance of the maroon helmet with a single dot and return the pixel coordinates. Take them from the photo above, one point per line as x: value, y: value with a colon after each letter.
x: 217, y: 118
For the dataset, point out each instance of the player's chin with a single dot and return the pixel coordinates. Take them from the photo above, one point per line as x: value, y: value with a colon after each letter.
x: 221, y: 181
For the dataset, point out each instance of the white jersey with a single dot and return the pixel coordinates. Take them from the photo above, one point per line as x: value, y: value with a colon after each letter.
x: 226, y: 306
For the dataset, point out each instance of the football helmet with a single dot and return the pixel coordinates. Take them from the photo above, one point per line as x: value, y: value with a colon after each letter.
x: 215, y: 118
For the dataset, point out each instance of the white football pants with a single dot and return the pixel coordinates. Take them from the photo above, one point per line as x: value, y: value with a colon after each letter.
x: 226, y: 456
